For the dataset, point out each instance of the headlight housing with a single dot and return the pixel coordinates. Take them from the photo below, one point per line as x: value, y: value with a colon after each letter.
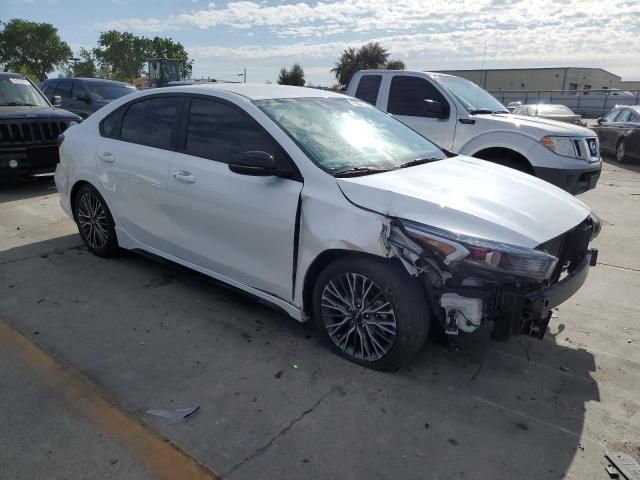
x: 456, y: 249
x: 560, y: 145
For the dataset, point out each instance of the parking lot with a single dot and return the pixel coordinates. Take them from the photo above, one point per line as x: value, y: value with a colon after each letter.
x: 90, y: 345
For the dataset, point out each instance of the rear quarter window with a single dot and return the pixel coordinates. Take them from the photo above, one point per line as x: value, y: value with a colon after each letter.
x: 368, y: 88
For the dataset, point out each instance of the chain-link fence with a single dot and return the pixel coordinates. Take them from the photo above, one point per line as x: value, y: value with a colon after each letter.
x: 588, y: 103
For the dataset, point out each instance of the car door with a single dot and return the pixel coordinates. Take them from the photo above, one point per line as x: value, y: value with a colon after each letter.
x: 605, y: 130
x: 406, y: 101
x: 63, y: 90
x: 133, y: 161
x: 239, y: 226
x: 80, y: 99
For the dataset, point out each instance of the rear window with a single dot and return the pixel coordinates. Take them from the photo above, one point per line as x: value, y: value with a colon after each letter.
x: 151, y: 122
x: 368, y: 88
x: 110, y: 90
x: 554, y: 110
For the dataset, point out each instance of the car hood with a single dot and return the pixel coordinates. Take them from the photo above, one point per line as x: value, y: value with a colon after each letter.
x: 472, y: 197
x: 44, y: 113
x: 535, y: 126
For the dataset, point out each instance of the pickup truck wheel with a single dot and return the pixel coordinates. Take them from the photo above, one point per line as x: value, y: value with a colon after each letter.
x: 371, y: 312
x: 621, y: 152
x: 95, y: 222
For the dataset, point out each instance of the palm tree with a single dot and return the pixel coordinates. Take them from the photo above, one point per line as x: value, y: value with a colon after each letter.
x: 369, y: 56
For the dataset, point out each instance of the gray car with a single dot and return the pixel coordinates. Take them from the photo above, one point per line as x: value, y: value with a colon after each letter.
x: 560, y: 113
x: 83, y: 96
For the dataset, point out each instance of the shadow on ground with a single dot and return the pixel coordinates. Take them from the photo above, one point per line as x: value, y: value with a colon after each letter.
x: 274, y: 402
x: 22, y: 189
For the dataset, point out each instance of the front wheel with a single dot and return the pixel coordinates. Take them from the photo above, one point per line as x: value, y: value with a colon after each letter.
x: 95, y: 222
x: 620, y: 152
x: 371, y: 312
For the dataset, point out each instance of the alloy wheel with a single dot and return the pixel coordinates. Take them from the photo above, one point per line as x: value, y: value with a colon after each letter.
x: 358, y: 316
x: 620, y: 152
x: 92, y: 220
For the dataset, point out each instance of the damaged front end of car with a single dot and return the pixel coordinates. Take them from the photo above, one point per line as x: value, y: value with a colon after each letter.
x: 472, y: 282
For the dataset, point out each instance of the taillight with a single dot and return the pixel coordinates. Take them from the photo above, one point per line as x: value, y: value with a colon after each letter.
x: 60, y: 139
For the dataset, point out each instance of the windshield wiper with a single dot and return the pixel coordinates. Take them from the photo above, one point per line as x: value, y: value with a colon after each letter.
x: 17, y: 104
x: 357, y: 171
x: 417, y: 161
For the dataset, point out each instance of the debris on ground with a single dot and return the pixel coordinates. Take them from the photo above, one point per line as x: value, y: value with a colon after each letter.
x: 565, y: 369
x: 626, y: 464
x: 612, y: 471
x: 176, y: 415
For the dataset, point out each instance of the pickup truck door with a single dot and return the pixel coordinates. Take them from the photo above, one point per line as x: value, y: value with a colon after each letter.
x: 404, y: 97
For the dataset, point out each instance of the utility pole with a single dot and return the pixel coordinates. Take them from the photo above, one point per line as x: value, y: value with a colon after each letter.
x: 245, y: 75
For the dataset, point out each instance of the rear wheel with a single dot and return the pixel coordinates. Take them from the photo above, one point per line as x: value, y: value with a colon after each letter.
x: 371, y: 312
x: 95, y: 222
x: 621, y: 152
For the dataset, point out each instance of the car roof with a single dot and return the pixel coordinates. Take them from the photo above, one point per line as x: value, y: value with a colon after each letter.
x: 11, y: 75
x: 87, y: 79
x: 257, y: 91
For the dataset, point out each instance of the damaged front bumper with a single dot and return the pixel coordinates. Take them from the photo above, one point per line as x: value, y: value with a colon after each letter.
x: 528, y: 313
x: 464, y: 297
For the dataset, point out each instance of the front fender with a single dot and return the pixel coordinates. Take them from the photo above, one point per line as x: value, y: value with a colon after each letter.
x: 518, y: 142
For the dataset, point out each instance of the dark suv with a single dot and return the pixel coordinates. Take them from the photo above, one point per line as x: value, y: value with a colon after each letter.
x: 29, y: 128
x: 85, y: 95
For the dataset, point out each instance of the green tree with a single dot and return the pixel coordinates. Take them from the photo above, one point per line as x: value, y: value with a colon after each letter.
x: 33, y: 47
x: 85, y: 66
x: 121, y: 55
x: 294, y: 76
x: 395, y: 65
x: 369, y: 56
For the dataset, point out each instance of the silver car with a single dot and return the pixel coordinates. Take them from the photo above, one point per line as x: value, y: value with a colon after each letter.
x: 561, y: 113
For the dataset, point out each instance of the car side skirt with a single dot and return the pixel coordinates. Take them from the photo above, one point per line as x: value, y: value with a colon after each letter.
x: 128, y: 243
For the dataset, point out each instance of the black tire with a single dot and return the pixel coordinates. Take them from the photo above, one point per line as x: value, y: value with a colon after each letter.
x: 620, y: 153
x: 404, y: 294
x: 99, y: 236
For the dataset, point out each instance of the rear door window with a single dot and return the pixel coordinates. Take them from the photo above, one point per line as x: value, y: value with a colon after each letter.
x: 152, y: 122
x: 219, y: 132
x: 368, y: 88
x: 407, y: 95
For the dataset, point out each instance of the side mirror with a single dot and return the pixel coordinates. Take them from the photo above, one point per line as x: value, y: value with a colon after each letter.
x: 434, y: 108
x: 600, y: 121
x: 56, y: 101
x: 254, y: 162
x: 82, y: 96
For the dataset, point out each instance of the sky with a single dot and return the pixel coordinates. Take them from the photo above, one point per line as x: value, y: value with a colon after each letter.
x: 224, y: 37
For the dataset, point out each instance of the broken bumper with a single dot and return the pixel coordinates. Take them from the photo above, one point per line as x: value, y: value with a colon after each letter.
x: 529, y: 314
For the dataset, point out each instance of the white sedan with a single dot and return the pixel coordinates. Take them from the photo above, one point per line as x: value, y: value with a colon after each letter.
x: 327, y: 208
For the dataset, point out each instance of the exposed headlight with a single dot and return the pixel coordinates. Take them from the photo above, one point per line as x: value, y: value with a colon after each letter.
x: 560, y: 145
x: 483, y: 254
x: 597, y: 225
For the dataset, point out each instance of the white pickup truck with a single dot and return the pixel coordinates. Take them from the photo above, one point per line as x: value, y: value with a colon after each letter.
x: 464, y: 119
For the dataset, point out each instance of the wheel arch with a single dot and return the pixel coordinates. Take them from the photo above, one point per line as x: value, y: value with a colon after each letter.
x: 323, y: 260
x: 515, y: 159
x: 74, y: 192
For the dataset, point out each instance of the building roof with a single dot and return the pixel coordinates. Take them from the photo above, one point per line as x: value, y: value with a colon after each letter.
x: 523, y: 69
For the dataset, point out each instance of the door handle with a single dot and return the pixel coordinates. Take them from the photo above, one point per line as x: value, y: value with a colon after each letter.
x: 184, y: 176
x: 107, y: 157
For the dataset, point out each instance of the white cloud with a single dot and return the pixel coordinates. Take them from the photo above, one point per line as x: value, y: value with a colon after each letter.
x: 424, y: 33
